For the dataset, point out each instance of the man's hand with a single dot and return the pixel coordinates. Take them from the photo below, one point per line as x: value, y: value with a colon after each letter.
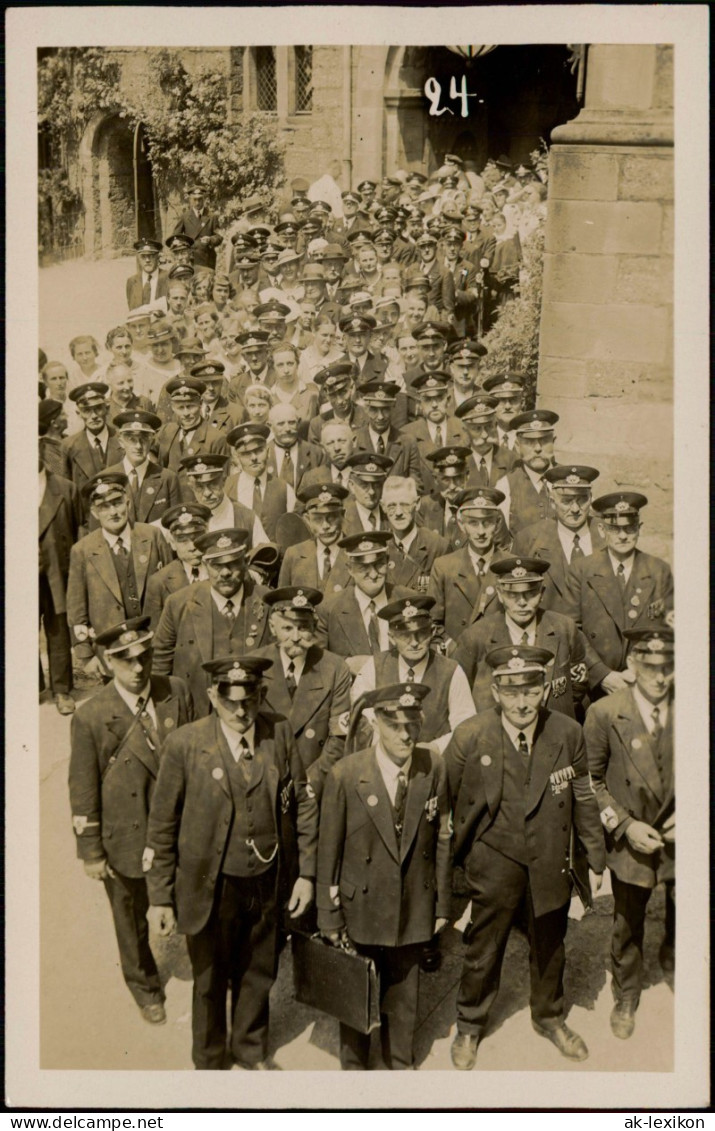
x: 161, y: 920
x: 97, y: 869
x: 93, y: 666
x: 340, y: 939
x: 301, y: 897
x: 439, y: 926
x: 614, y: 681
x: 667, y: 829
x: 643, y: 838
x: 595, y: 879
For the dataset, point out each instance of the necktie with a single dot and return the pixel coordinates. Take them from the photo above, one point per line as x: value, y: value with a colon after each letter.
x: 146, y: 724
x: 483, y: 473
x: 481, y: 562
x: 134, y: 484
x: 290, y: 679
x: 99, y: 449
x: 229, y: 611
x: 287, y: 468
x: 339, y: 477
x: 380, y: 445
x: 525, y: 638
x: 576, y: 551
x: 399, y: 546
x: 373, y: 630
x: 326, y: 563
x: 438, y: 437
x: 205, y: 411
x: 372, y: 520
x: 621, y: 575
x: 146, y: 291
x: 194, y: 573
x: 523, y: 745
x: 410, y: 675
x: 120, y: 549
x: 400, y: 799
x: 257, y: 496
x: 657, y: 727
x: 246, y: 759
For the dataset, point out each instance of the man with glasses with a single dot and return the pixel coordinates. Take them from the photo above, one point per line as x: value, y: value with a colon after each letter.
x: 367, y: 474
x: 233, y: 787
x: 519, y: 780
x: 414, y: 548
x: 508, y: 391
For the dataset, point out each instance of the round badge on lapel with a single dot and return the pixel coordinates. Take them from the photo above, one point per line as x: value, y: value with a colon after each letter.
x: 168, y: 723
x: 143, y: 559
x: 390, y: 565
x: 490, y: 590
x: 372, y: 800
x: 635, y: 600
x: 217, y: 774
x: 310, y: 733
x: 337, y: 588
x: 632, y: 613
x: 485, y: 760
x: 150, y: 490
x: 636, y: 743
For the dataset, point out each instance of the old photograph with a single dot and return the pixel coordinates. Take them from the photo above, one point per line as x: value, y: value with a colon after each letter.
x: 356, y: 599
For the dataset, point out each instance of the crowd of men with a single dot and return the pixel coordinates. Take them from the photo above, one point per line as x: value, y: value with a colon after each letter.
x: 347, y: 623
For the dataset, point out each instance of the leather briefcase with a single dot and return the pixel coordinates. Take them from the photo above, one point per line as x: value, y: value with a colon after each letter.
x: 343, y: 985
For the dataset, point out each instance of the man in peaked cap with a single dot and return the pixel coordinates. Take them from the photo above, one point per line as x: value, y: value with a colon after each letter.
x: 431, y: 268
x: 149, y: 283
x: 318, y: 562
x: 414, y: 548
x: 233, y: 786
x: 508, y: 390
x: 522, y: 620
x: 96, y: 446
x: 617, y: 587
x: 220, y: 617
x: 463, y: 359
x: 254, y: 354
x: 519, y: 778
x: 526, y: 492
x: 348, y: 623
x: 271, y: 317
x: 307, y: 685
x: 634, y: 729
x: 568, y: 535
x: 290, y: 457
x: 269, y: 497
x: 439, y: 511
x: 216, y: 409
x: 183, y: 523
x: 461, y: 291
x: 488, y: 462
x: 202, y: 226
x: 367, y: 474
x: 463, y: 583
x: 152, y: 489
x: 180, y: 247
x: 114, y: 761
x: 188, y: 434
x: 206, y: 478
x: 380, y: 436
x: 385, y: 837
x: 337, y: 383
x: 435, y: 427
x: 357, y: 329
x: 109, y: 568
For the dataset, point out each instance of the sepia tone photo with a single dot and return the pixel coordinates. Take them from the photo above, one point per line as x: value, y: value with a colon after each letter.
x: 356, y: 557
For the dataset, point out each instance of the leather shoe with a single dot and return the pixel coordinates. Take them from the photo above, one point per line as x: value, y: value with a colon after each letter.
x: 666, y: 957
x: 623, y: 1020
x: 65, y: 703
x: 154, y: 1013
x: 464, y: 1051
x: 567, y: 1042
x: 267, y: 1065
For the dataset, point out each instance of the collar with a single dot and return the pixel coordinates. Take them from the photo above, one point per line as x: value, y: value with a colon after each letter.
x: 292, y: 451
x: 298, y: 664
x: 141, y: 470
x: 233, y: 739
x: 537, y: 480
x: 203, y: 572
x: 627, y: 563
x: 486, y: 456
x: 363, y: 600
x: 419, y: 669
x: 566, y: 537
x: 364, y: 515
x: 646, y: 708
x: 514, y: 732
x: 220, y: 601
x: 102, y: 436
x: 131, y: 699
x: 374, y: 436
x: 475, y: 557
x: 222, y: 515
x: 245, y: 478
x: 407, y: 541
x: 389, y: 769
x: 516, y: 631
x: 124, y: 536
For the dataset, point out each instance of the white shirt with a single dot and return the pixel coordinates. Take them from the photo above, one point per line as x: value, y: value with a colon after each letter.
x: 486, y: 456
x: 390, y: 771
x: 364, y: 516
x: 627, y: 564
x: 279, y: 454
x: 220, y: 601
x: 223, y: 518
x: 374, y: 436
x: 506, y: 439
x: 298, y: 664
x: 42, y: 485
x: 244, y: 492
x: 405, y: 540
x: 203, y: 573
x: 124, y: 537
x: 474, y: 558
x: 234, y: 741
x: 516, y: 631
x: 646, y: 709
x: 432, y: 429
x: 566, y: 538
x: 340, y: 474
x: 514, y: 732
x: 153, y: 281
x: 320, y: 549
x: 132, y: 700
x: 380, y: 601
x: 102, y: 436
x: 140, y: 470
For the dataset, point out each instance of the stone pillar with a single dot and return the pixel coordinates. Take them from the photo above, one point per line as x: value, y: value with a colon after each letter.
x: 606, y: 344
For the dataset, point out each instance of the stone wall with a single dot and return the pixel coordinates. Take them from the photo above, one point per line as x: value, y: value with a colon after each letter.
x: 606, y: 346
x: 314, y: 140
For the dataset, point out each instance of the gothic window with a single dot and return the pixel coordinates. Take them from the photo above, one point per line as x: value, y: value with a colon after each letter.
x: 303, y: 80
x: 266, y: 81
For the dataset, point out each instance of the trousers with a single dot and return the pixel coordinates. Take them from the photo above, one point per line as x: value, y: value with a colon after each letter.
x: 59, y: 650
x: 630, y: 903
x: 398, y: 969
x: 498, y: 887
x: 129, y: 902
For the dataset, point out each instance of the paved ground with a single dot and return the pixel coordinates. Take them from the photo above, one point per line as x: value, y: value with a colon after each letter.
x: 89, y: 1020
x: 81, y: 297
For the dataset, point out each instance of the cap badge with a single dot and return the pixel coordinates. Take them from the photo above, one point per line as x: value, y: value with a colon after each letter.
x: 325, y: 497
x: 516, y: 663
x: 410, y: 611
x: 184, y: 519
x: 128, y: 637
x: 518, y: 571
x: 371, y: 467
x: 200, y: 467
x: 237, y: 673
x: 452, y: 459
x: 223, y: 543
x: 365, y: 546
x: 407, y: 700
x: 656, y: 645
x: 572, y: 480
x: 480, y: 501
x: 622, y: 505
x: 300, y: 600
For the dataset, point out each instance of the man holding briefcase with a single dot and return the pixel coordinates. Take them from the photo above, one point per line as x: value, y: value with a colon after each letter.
x: 384, y: 864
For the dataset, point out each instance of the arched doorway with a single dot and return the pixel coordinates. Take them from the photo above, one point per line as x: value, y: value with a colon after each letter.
x: 120, y: 194
x: 148, y: 219
x: 518, y: 94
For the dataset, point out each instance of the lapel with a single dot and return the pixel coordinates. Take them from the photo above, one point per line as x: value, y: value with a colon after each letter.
x: 265, y: 750
x: 555, y: 554
x: 419, y: 786
x: 167, y: 709
x: 50, y: 503
x: 277, y: 696
x: 150, y: 487
x: 603, y: 582
x: 638, y: 745
x: 141, y: 552
x: 101, y: 558
x: 544, y: 754
x: 640, y: 585
x: 200, y: 609
x: 84, y: 455
x: 546, y: 637
x: 310, y: 694
x: 353, y: 626
x: 216, y: 759
x: 373, y: 794
x: 118, y: 723
x: 466, y: 579
x: 491, y: 762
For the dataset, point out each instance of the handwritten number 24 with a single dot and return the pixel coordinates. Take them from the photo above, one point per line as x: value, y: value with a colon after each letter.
x: 433, y: 91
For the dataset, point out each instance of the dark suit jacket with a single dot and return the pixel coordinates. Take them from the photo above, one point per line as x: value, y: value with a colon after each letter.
x: 567, y: 671
x: 315, y: 430
x: 628, y: 786
x: 191, y: 811
x: 309, y: 456
x: 541, y: 540
x: 160, y: 585
x: 319, y: 711
x: 300, y: 567
x: 401, y: 449
x: 135, y: 289
x: 503, y: 461
x: 208, y: 438
x: 384, y: 892
x: 199, y: 226
x: 352, y: 523
x: 414, y: 568
x: 184, y: 635
x: 159, y: 490
x: 82, y: 461
x: 418, y: 431
x: 461, y: 597
x: 475, y: 765
x: 110, y: 790
x: 94, y: 596
x: 340, y: 627
x: 593, y: 598
x: 59, y: 522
